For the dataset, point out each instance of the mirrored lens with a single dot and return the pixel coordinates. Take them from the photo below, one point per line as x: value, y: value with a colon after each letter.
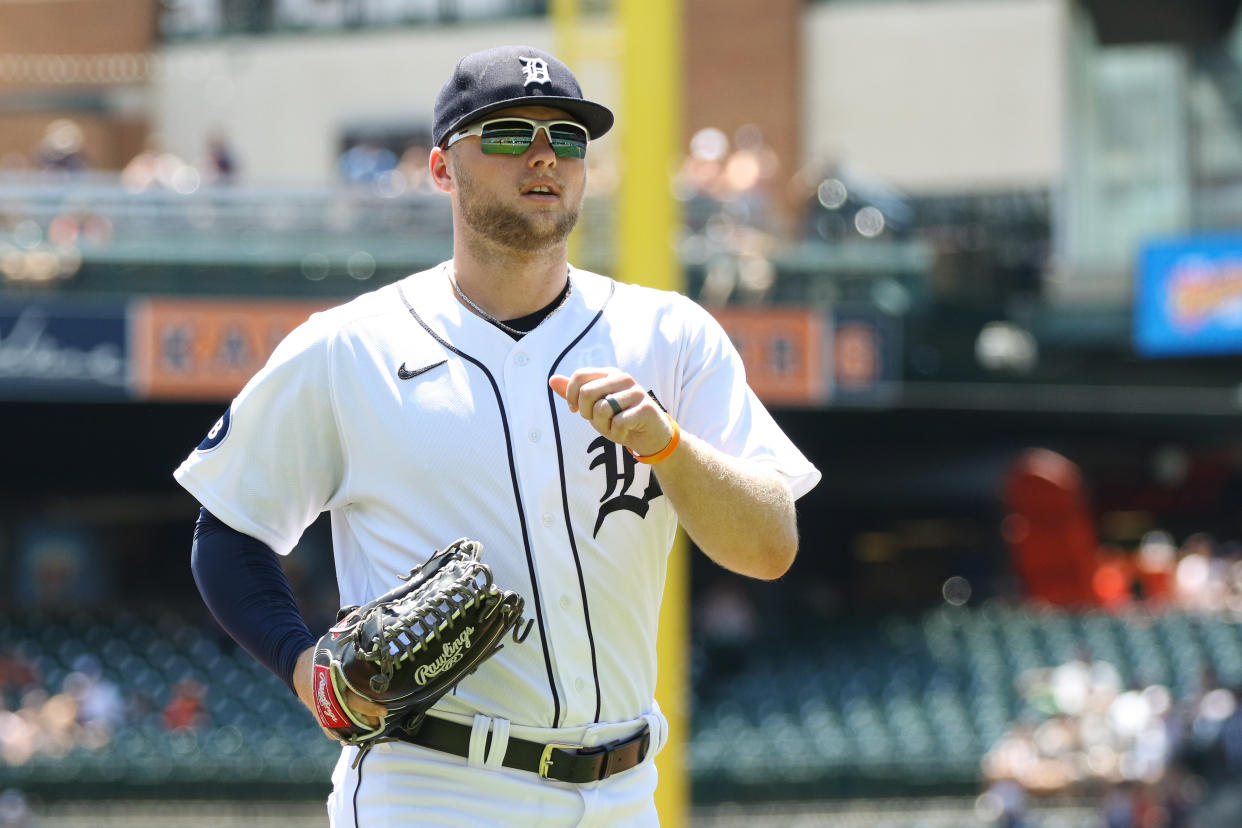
x: 514, y: 138
x: 569, y: 140
x: 507, y: 137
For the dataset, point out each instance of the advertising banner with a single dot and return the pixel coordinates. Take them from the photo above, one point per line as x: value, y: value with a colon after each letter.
x: 206, y: 349
x: 784, y: 350
x: 866, y: 355
x: 1188, y: 297
x: 63, y: 350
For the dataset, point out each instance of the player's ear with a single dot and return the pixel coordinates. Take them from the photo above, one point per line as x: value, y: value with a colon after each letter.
x: 441, y: 169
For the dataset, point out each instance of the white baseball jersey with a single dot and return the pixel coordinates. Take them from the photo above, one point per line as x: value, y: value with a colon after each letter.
x: 415, y: 422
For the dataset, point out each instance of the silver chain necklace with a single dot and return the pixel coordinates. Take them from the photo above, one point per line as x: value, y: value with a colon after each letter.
x: 569, y: 287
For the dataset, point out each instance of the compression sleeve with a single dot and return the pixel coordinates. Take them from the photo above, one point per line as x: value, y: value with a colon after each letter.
x: 245, y: 588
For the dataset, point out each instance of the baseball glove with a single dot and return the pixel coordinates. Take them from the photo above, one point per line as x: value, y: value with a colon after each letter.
x: 410, y: 646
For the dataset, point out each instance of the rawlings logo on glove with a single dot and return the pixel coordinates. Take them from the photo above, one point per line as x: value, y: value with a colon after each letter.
x: 326, y: 706
x: 452, y: 654
x: 413, y: 644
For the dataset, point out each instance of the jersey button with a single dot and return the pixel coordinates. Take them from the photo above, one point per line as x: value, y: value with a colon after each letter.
x: 534, y: 434
x: 547, y: 519
x: 566, y: 602
x: 580, y: 684
x: 521, y: 358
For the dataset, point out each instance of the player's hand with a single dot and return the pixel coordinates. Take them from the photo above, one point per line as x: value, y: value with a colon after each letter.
x: 365, y: 709
x: 637, y: 422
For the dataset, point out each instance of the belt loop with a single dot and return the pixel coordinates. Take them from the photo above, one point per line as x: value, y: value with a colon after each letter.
x: 478, y: 740
x: 500, y: 744
x: 659, y: 730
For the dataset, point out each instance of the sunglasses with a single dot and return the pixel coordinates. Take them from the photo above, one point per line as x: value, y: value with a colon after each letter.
x: 513, y: 136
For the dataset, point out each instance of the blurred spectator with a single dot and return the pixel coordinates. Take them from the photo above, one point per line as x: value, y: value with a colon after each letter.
x: 63, y: 147
x: 219, y: 166
x: 1211, y: 732
x: 1083, y: 684
x: 725, y: 614
x: 1115, y: 578
x: 185, y: 710
x: 1006, y: 804
x: 101, y: 707
x: 17, y: 675
x: 140, y: 706
x: 1120, y: 804
x: 56, y: 569
x: 18, y: 738
x: 58, y: 721
x: 366, y: 162
x: 1200, y: 575
x: 156, y: 168
x: 1230, y: 572
x: 727, y: 622
x: 1156, y: 564
x: 14, y: 812
x: 43, y: 724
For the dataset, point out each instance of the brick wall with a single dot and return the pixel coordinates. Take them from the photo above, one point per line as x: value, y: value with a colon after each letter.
x: 62, y: 59
x: 743, y: 66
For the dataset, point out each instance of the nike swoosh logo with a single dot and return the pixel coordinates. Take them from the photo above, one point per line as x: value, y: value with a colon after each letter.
x: 404, y: 373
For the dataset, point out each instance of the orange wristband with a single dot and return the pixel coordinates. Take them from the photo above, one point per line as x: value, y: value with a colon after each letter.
x: 663, y: 453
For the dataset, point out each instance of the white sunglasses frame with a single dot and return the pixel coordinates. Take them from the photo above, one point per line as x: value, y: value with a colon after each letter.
x: 546, y: 126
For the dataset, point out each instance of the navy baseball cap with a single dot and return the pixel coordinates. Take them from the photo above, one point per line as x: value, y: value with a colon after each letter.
x: 506, y: 76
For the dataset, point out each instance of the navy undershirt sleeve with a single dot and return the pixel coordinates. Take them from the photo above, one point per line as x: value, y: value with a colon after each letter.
x: 244, y: 586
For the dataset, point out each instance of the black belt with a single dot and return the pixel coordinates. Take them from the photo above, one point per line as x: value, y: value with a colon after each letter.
x: 565, y: 763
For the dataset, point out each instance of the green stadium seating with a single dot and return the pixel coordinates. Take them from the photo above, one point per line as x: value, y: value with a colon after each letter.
x: 865, y: 705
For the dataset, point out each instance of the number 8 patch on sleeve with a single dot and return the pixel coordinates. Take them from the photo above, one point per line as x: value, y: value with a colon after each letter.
x: 218, y: 431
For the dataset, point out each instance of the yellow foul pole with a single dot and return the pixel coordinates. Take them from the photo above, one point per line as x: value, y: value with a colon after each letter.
x: 568, y: 34
x: 648, y: 221
x: 649, y: 125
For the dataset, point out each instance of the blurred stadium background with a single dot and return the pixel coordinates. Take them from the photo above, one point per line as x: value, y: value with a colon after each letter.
x: 984, y: 261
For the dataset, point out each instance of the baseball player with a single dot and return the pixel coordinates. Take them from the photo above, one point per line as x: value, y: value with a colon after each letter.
x: 566, y: 421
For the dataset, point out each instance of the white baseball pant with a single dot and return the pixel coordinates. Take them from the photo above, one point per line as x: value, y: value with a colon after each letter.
x: 399, y: 784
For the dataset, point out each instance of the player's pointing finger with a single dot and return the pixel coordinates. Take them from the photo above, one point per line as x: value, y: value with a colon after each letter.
x: 571, y: 387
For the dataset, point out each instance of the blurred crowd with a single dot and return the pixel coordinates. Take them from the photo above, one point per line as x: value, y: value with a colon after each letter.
x: 741, y: 207
x: 732, y: 194
x: 84, y: 712
x: 1201, y: 574
x: 39, y: 250
x: 1152, y: 759
x: 64, y: 150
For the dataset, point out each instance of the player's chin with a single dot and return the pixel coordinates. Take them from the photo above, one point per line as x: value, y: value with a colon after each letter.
x: 552, y: 210
x: 550, y: 226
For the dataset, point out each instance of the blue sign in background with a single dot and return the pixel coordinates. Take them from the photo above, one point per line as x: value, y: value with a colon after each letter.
x: 1188, y: 296
x: 63, y: 350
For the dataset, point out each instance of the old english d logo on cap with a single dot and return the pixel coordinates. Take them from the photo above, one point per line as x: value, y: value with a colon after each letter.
x: 536, y: 70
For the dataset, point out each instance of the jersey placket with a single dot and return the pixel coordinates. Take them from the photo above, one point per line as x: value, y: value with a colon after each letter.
x: 535, y: 453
